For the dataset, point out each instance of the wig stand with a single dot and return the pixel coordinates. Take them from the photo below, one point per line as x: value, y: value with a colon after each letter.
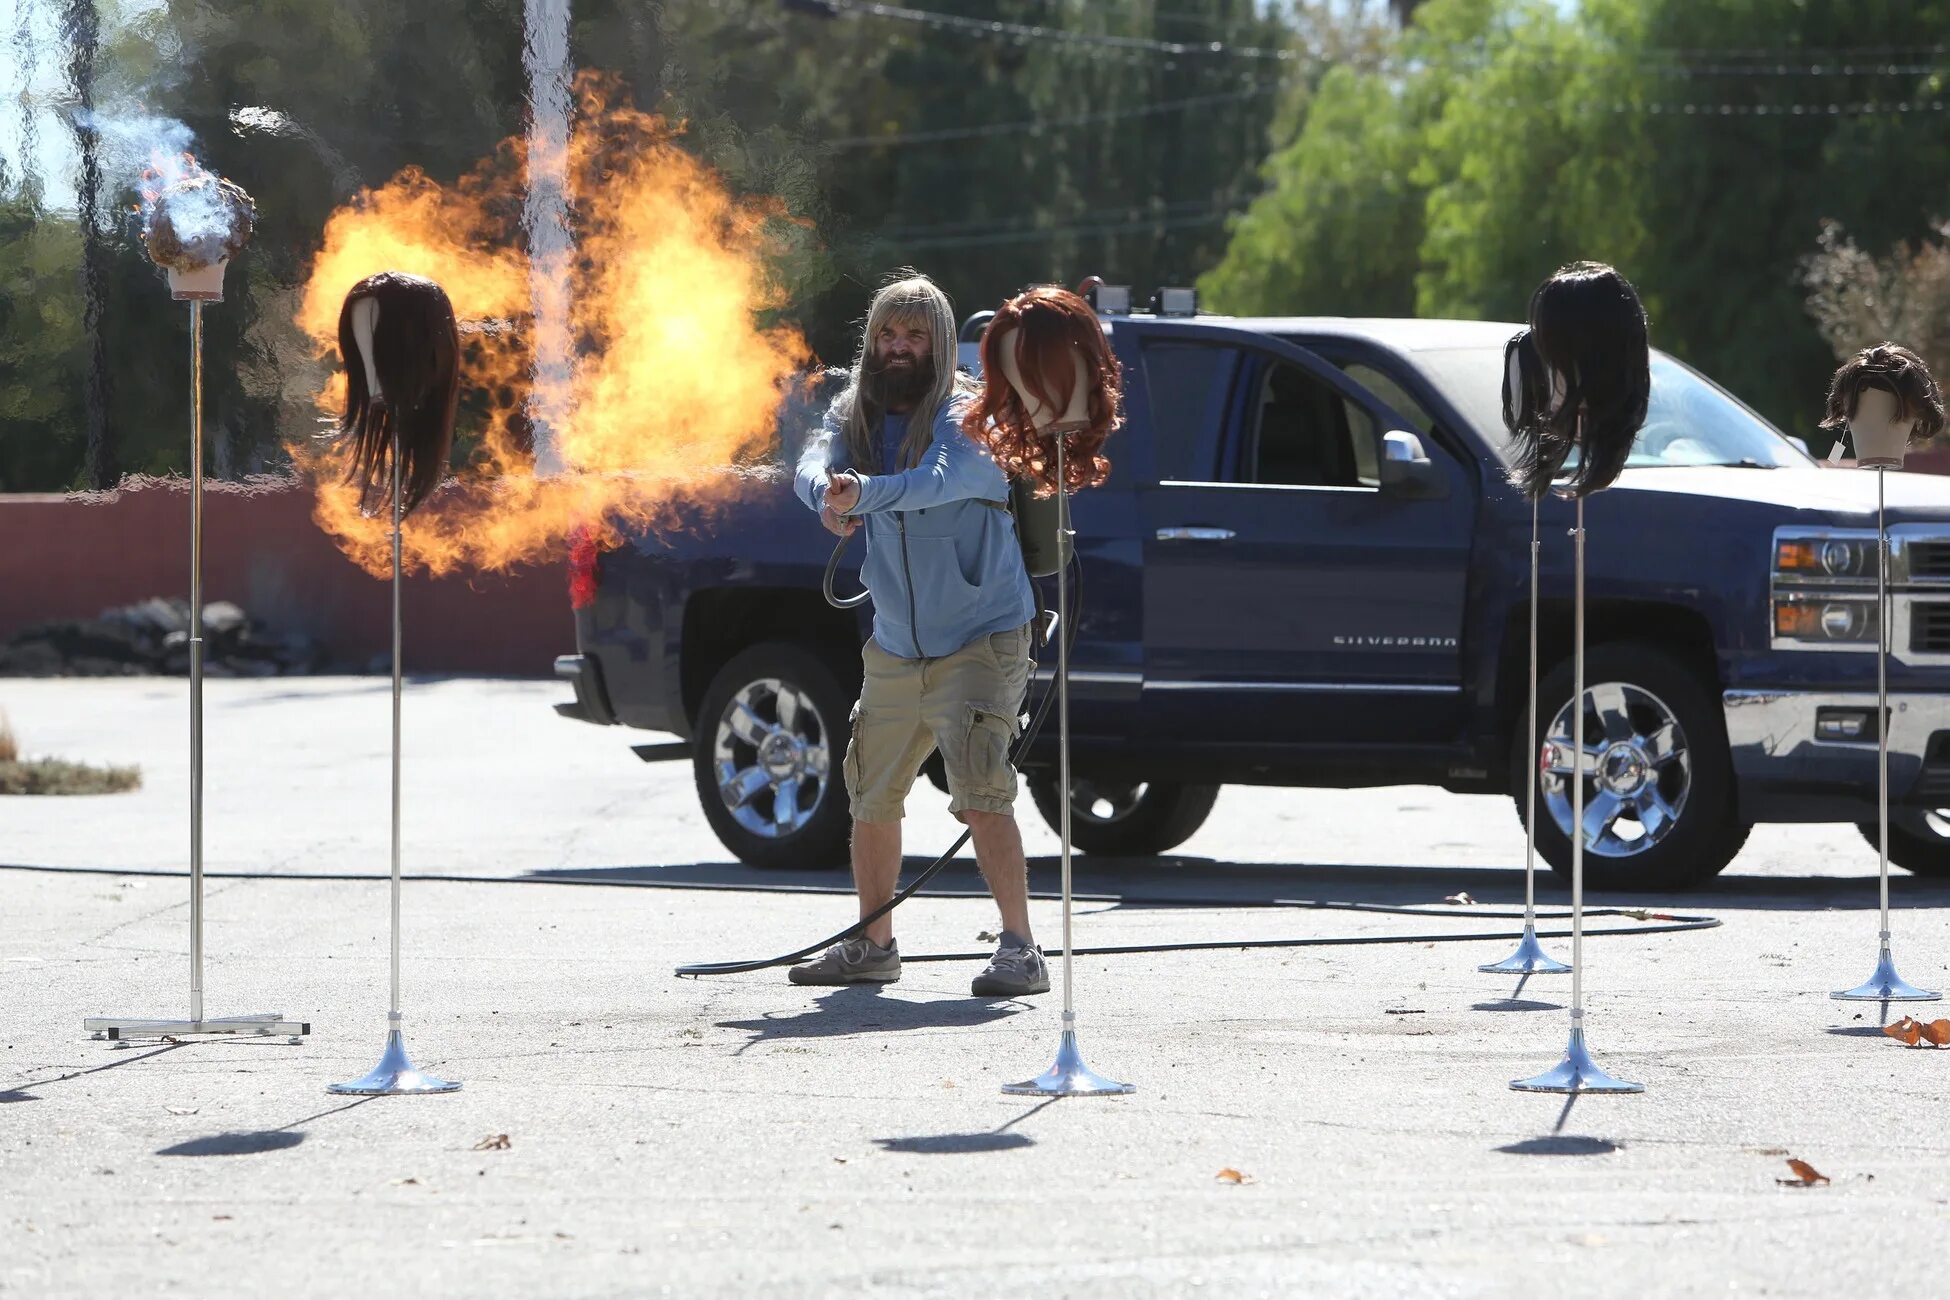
x: 1067, y: 1076
x: 1530, y: 957
x: 395, y: 1072
x: 1577, y: 1072
x: 267, y: 1023
x: 1885, y: 985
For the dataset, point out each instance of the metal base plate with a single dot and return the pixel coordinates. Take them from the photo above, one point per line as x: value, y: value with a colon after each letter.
x: 1886, y: 986
x: 268, y: 1023
x: 394, y: 1075
x: 1529, y: 959
x: 1069, y: 1077
x: 1577, y: 1072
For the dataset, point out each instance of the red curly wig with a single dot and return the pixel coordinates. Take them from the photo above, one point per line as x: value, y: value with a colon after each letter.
x: 1058, y: 329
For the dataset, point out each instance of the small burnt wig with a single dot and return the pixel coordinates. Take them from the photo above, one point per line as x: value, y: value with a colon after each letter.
x: 1895, y: 370
x: 1057, y: 329
x: 1582, y: 378
x: 416, y: 356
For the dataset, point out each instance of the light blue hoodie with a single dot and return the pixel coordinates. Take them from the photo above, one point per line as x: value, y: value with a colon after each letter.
x: 943, y: 562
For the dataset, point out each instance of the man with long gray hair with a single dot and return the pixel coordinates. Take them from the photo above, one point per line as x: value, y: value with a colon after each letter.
x: 948, y: 664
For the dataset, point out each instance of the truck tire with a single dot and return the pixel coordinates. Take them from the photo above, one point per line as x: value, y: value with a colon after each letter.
x: 1663, y: 783
x: 769, y: 744
x: 1126, y: 818
x: 1919, y: 840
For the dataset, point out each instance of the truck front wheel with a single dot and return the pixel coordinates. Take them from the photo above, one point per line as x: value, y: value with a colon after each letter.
x: 770, y: 738
x: 1657, y: 777
x: 1919, y: 839
x: 1128, y: 818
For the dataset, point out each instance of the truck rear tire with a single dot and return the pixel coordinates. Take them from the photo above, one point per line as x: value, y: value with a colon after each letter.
x: 770, y: 740
x: 1659, y: 788
x: 1126, y: 818
x: 1919, y: 840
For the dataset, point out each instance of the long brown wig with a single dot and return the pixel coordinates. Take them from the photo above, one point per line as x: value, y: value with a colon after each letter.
x: 1057, y: 329
x: 416, y: 357
x: 1896, y: 370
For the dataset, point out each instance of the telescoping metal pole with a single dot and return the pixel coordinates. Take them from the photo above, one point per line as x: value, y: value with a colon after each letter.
x: 1885, y: 985
x: 1577, y: 1072
x: 395, y: 1073
x: 120, y: 1027
x: 1530, y: 957
x: 1068, y: 1076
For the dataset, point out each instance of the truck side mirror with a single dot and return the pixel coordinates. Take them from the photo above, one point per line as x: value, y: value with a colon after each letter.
x: 1406, y: 469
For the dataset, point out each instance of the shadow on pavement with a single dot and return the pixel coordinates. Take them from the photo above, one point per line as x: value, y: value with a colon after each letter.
x: 24, y: 1092
x: 961, y: 1144
x: 1557, y: 1145
x: 865, y: 1008
x: 255, y: 1143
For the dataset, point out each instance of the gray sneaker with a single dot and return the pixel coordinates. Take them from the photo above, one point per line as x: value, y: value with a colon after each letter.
x: 857, y: 961
x: 1012, y: 972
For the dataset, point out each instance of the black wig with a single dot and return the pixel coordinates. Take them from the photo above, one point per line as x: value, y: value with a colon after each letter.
x: 1580, y: 377
x: 416, y: 356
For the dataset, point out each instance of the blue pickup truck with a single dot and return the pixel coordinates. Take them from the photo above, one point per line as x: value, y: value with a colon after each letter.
x: 1307, y: 569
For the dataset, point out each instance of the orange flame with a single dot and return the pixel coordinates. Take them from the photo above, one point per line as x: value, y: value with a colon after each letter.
x: 676, y: 384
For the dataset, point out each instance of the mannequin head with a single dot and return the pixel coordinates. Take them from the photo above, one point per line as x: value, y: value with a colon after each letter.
x: 401, y: 348
x: 1048, y: 372
x: 1580, y: 376
x: 1886, y: 398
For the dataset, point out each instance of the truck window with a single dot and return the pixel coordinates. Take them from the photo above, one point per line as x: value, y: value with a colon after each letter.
x: 1383, y: 386
x: 1185, y: 381
x: 1306, y: 433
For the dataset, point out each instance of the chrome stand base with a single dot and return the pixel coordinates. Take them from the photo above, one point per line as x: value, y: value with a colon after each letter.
x: 269, y: 1023
x: 1886, y: 986
x: 1577, y: 1072
x: 1529, y: 959
x: 395, y: 1074
x: 1069, y: 1077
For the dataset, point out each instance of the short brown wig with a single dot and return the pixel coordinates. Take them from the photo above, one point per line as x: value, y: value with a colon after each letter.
x: 1895, y: 370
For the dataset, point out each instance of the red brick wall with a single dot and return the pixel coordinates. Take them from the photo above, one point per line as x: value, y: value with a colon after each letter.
x: 72, y: 557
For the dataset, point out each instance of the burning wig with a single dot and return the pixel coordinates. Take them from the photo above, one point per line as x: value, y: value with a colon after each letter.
x: 1579, y: 377
x: 1051, y: 330
x: 1897, y: 371
x: 416, y: 359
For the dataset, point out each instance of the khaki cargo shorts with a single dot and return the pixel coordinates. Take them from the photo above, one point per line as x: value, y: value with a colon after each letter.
x: 967, y: 704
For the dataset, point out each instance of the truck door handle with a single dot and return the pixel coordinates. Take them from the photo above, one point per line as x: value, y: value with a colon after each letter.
x: 1196, y: 534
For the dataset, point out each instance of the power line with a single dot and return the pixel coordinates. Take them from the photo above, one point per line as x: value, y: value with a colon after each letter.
x: 1026, y: 32
x: 1055, y: 123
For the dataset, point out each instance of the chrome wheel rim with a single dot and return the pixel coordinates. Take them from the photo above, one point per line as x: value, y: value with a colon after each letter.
x: 1637, y: 770
x: 1105, y: 803
x: 772, y: 757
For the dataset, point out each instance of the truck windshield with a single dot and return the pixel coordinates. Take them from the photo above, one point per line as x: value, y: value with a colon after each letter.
x: 1691, y: 421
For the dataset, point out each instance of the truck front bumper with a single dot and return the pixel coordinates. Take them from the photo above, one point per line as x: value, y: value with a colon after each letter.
x: 1810, y: 756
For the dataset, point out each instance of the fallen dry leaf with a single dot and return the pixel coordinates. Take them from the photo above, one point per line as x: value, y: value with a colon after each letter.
x: 1461, y: 900
x: 1805, y: 1174
x: 496, y: 1142
x: 1234, y: 1177
x: 1905, y: 1031
x: 988, y: 936
x: 406, y: 1182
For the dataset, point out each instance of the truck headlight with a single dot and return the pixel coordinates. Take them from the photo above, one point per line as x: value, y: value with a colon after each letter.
x: 1825, y: 557
x: 1833, y: 620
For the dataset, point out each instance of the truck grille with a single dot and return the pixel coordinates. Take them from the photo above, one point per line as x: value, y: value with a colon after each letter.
x: 1929, y: 560
x: 1930, y: 627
